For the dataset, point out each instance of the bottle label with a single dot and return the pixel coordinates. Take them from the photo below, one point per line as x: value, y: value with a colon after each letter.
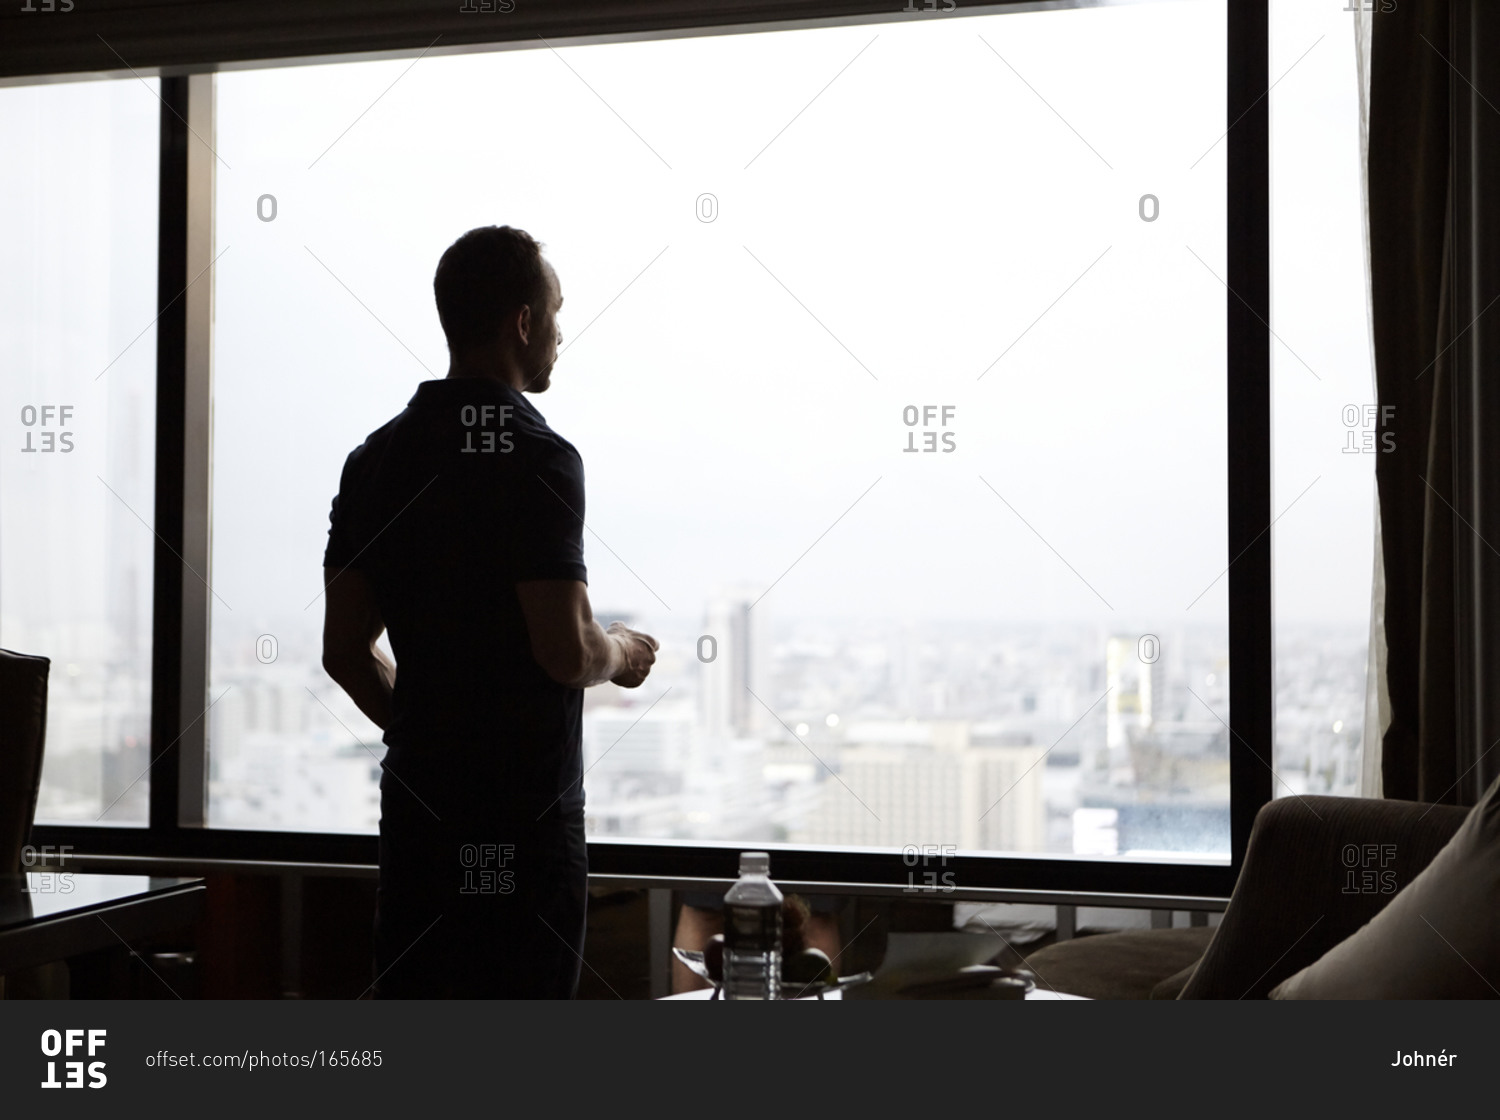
x: 755, y: 929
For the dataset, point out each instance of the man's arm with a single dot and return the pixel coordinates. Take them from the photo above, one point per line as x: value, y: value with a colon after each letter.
x: 351, y: 624
x: 571, y: 647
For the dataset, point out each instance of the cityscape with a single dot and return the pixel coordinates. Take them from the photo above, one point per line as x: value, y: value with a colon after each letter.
x: 1058, y: 739
x: 980, y: 737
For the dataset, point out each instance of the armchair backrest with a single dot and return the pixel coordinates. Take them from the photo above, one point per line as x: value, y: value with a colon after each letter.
x: 23, y: 737
x: 1316, y: 870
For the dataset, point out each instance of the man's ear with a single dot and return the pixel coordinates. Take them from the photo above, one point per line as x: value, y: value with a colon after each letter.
x: 523, y: 324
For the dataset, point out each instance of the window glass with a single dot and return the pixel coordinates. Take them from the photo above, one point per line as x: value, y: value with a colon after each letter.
x: 78, y: 206
x: 896, y: 357
x: 1325, y: 438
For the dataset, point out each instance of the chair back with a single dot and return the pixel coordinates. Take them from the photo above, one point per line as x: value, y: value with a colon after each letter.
x: 1316, y: 869
x: 23, y: 737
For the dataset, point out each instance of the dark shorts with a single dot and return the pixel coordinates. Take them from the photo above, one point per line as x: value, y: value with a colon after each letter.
x: 478, y: 909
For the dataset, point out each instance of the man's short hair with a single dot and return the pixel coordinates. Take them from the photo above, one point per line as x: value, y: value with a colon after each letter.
x: 485, y: 275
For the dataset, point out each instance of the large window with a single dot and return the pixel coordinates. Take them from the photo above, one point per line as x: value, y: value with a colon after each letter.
x: 900, y: 381
x: 78, y: 206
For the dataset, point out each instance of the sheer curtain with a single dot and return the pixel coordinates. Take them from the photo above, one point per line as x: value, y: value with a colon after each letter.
x: 1377, y: 697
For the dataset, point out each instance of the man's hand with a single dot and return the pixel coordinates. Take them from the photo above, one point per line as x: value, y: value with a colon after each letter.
x: 639, y: 651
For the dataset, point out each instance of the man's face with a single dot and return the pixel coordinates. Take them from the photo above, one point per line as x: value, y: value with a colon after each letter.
x: 541, y: 351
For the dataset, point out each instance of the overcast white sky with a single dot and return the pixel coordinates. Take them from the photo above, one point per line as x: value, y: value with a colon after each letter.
x: 899, y: 236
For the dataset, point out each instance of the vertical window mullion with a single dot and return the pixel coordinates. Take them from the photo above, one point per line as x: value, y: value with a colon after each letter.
x: 179, y: 698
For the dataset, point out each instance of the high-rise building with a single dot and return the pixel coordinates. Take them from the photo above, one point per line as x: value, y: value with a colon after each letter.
x: 734, y: 656
x: 1135, y: 693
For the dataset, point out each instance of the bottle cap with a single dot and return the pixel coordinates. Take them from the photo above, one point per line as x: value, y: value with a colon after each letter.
x: 755, y: 863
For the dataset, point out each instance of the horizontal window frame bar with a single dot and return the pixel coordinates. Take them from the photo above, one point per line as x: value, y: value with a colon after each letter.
x: 127, y: 40
x: 859, y: 872
x: 190, y: 866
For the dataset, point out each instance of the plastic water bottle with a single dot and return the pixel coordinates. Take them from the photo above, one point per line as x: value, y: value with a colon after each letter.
x: 752, y: 932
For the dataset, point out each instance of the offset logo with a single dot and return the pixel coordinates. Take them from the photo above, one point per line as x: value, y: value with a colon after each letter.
x: 484, y: 416
x: 47, y: 422
x: 44, y: 880
x: 925, y: 856
x: 484, y: 868
x: 67, y: 1044
x: 912, y: 416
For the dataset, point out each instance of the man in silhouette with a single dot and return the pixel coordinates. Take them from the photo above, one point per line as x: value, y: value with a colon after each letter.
x: 458, y: 527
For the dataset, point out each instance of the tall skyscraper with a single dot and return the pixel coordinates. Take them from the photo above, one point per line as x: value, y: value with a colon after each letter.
x: 734, y: 656
x: 1134, y: 697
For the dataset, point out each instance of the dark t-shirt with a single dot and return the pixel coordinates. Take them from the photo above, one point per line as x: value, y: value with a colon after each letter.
x: 445, y: 508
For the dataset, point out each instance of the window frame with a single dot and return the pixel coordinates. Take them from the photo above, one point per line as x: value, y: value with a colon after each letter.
x: 178, y: 830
